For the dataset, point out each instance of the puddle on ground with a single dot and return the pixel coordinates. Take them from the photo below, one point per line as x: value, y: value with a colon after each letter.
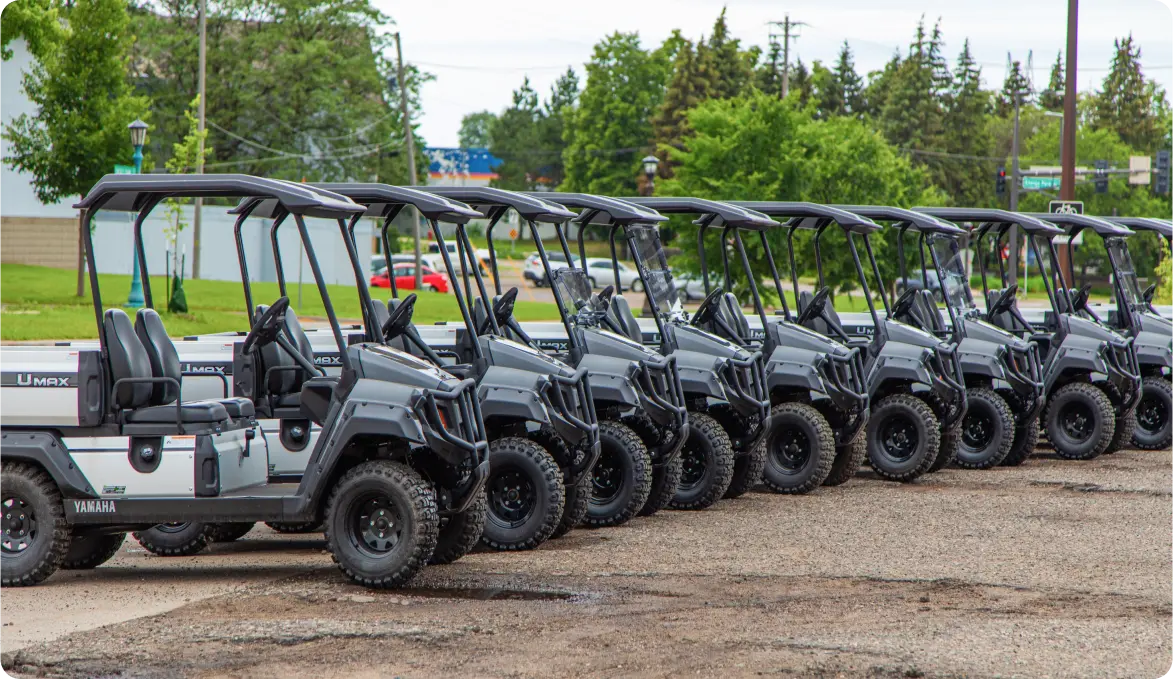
x: 488, y: 594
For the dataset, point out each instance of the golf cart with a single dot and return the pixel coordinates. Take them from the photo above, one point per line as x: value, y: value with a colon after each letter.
x: 122, y: 451
x: 914, y: 379
x: 1089, y: 371
x: 1003, y: 373
x: 633, y: 385
x: 720, y: 380
x: 818, y: 399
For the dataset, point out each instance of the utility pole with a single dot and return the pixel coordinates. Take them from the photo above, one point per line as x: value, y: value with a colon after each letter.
x: 1014, y: 181
x: 202, y: 85
x: 405, y: 111
x: 1067, y: 145
x: 787, y: 26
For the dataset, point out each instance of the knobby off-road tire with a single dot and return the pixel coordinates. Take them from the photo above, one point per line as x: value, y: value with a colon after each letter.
x: 381, y: 523
x: 848, y: 460
x: 621, y: 479
x: 987, y: 430
x: 800, y: 449
x: 228, y: 532
x: 90, y: 550
x: 665, y: 477
x: 706, y: 464
x: 1154, y: 415
x: 1026, y: 437
x: 1122, y: 436
x: 947, y: 449
x: 747, y: 471
x: 175, y: 539
x: 904, y: 437
x: 459, y: 533
x: 31, y: 557
x: 578, y: 495
x: 1080, y: 421
x: 526, y: 495
x: 290, y: 527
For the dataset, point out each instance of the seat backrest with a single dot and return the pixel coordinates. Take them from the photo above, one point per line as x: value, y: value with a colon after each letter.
x: 924, y: 306
x: 286, y: 381
x: 734, y: 315
x: 162, y: 354
x: 379, y: 315
x: 620, y: 313
x: 128, y: 359
x: 480, y: 316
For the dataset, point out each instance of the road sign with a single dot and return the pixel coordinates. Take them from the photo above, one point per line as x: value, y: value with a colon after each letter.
x: 512, y: 234
x: 124, y: 169
x: 1139, y: 169
x: 1040, y: 183
x: 1066, y: 207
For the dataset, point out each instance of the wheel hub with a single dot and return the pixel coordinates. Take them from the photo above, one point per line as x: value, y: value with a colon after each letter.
x: 378, y: 526
x: 19, y: 525
x: 899, y: 438
x: 1077, y: 422
x: 512, y: 497
x: 607, y: 477
x: 692, y: 463
x: 1151, y: 415
x: 791, y: 450
x: 976, y: 431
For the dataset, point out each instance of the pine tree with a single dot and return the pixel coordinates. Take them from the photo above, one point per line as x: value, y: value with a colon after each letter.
x: 1015, y: 86
x: 967, y: 181
x: 1051, y: 99
x: 515, y: 137
x: 825, y: 91
x: 1129, y: 104
x: 800, y: 83
x: 563, y: 95
x: 731, y: 70
x: 768, y: 77
x: 689, y: 86
x: 875, y: 94
x: 912, y: 114
x: 850, y: 84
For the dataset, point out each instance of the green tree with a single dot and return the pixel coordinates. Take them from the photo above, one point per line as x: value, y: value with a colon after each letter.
x: 967, y: 180
x: 185, y: 158
x: 37, y: 21
x: 912, y: 115
x: 1051, y: 98
x: 516, y: 140
x: 875, y: 94
x: 732, y: 69
x: 768, y: 75
x: 850, y: 84
x: 609, y: 131
x: 825, y: 91
x: 690, y: 85
x: 474, y: 130
x: 1136, y: 108
x: 563, y: 97
x: 1015, y: 87
x: 800, y: 83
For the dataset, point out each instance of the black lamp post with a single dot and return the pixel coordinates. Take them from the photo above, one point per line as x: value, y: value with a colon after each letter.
x: 138, y: 137
x: 651, y: 164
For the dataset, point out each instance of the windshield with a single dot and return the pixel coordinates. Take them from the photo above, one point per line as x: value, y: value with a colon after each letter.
x: 1125, y: 272
x: 573, y: 289
x: 661, y: 290
x: 951, y: 264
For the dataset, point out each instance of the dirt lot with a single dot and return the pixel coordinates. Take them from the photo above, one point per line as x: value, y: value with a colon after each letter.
x: 1053, y: 568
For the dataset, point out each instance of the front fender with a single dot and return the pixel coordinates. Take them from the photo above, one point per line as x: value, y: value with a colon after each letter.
x: 981, y: 358
x: 512, y: 394
x: 791, y: 368
x: 698, y: 374
x: 1154, y: 349
x: 898, y: 362
x: 611, y: 380
x: 1077, y: 354
x: 49, y: 452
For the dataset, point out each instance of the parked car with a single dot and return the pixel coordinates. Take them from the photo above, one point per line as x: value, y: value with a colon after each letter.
x: 481, y: 254
x: 533, y: 271
x: 915, y: 283
x: 601, y: 274
x: 405, y: 278
x: 689, y: 287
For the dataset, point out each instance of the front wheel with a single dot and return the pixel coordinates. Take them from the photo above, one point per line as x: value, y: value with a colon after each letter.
x: 987, y: 430
x: 526, y: 495
x: 638, y: 286
x: 621, y: 479
x: 904, y: 437
x: 747, y: 471
x: 36, y: 536
x: 175, y: 539
x: 800, y: 449
x: 706, y: 464
x: 381, y: 523
x: 461, y: 532
x: 1153, y: 415
x: 1080, y: 421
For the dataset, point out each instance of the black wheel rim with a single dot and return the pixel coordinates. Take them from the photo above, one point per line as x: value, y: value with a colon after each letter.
x: 1151, y: 415
x: 790, y: 450
x: 899, y: 438
x: 173, y: 527
x: 20, y: 525
x: 977, y: 429
x: 692, y: 467
x: 375, y: 524
x: 607, y: 478
x: 1076, y: 421
x: 512, y: 497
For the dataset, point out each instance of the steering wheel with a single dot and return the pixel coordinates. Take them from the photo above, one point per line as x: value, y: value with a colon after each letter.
x: 265, y: 329
x: 1079, y: 302
x: 603, y: 299
x: 704, y: 313
x: 400, y: 318
x: 502, y: 310
x: 903, y: 303
x: 817, y: 304
x: 1148, y: 294
x: 1004, y: 301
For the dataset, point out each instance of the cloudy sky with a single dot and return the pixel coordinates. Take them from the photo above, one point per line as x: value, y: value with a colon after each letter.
x: 480, y: 52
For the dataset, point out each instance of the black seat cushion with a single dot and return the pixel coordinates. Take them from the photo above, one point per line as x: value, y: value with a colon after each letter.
x: 734, y: 316
x: 286, y: 380
x: 379, y: 315
x: 195, y: 412
x: 128, y: 359
x: 288, y: 400
x: 162, y: 354
x: 926, y: 311
x: 620, y: 313
x: 238, y: 407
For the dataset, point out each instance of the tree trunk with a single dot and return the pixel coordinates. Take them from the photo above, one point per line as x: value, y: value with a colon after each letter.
x: 81, y: 255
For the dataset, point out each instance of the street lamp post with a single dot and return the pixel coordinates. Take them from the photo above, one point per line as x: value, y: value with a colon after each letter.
x: 138, y: 135
x: 651, y: 164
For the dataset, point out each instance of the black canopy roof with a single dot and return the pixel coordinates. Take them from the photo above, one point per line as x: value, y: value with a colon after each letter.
x: 1032, y: 225
x: 724, y: 214
x: 917, y: 221
x: 1161, y: 226
x: 602, y: 209
x: 1100, y: 226
x: 131, y: 192
x: 492, y: 202
x: 810, y: 215
x: 380, y: 199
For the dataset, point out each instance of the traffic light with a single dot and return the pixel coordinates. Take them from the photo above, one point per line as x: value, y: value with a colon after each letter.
x: 1161, y: 185
x: 1000, y: 181
x: 1101, y: 176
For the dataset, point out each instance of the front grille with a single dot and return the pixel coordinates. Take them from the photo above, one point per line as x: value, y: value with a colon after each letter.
x: 570, y: 397
x: 660, y: 381
x: 454, y: 418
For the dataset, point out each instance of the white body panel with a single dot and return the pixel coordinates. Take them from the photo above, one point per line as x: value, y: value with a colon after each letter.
x: 40, y: 386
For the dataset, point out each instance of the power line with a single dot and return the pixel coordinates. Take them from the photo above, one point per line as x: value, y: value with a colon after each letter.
x: 787, y: 27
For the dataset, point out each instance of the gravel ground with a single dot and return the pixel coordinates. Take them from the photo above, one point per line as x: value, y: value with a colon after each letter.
x: 1054, y: 568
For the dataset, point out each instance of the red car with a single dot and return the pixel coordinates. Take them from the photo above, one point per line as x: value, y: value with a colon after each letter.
x: 405, y: 278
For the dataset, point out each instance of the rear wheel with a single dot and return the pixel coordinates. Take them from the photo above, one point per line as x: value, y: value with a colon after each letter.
x: 747, y: 471
x: 228, y: 532
x: 1122, y: 436
x: 461, y: 532
x: 904, y: 437
x: 36, y: 537
x: 848, y: 460
x: 381, y: 523
x: 706, y: 464
x: 295, y: 527
x: 1026, y: 437
x: 638, y: 286
x: 526, y: 495
x: 578, y: 495
x: 1080, y: 421
x: 987, y: 430
x: 90, y: 550
x: 666, y: 476
x: 1154, y: 415
x: 621, y: 479
x: 175, y: 539
x: 800, y: 449
x: 947, y: 450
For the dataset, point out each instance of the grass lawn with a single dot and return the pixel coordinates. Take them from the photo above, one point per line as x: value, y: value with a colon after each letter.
x: 39, y: 303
